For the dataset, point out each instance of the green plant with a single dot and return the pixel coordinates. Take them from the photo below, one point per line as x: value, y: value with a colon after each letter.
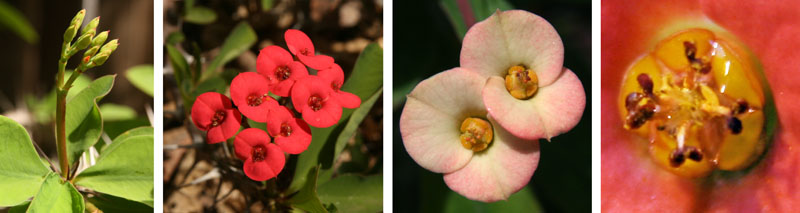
x: 121, y: 173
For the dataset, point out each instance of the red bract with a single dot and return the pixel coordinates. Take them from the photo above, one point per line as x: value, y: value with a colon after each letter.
x: 335, y: 78
x: 290, y: 133
x: 300, y: 45
x: 312, y: 97
x: 262, y: 160
x: 250, y: 93
x: 281, y: 71
x: 631, y: 182
x: 214, y: 113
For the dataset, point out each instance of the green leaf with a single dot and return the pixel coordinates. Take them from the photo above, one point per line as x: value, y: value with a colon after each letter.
x: 145, y: 130
x: 116, y: 112
x: 212, y: 84
x: 200, y: 15
x: 57, y: 196
x: 241, y: 38
x: 110, y: 203
x: 20, y: 208
x: 115, y: 128
x: 174, y: 38
x: 306, y: 199
x: 366, y: 78
x: 124, y: 169
x: 353, y: 123
x: 522, y: 201
x: 450, y: 8
x: 21, y: 171
x: 45, y: 109
x: 482, y: 9
x: 84, y: 124
x: 352, y: 193
x: 142, y: 78
x: 14, y: 20
x: 266, y: 5
x: 258, y: 125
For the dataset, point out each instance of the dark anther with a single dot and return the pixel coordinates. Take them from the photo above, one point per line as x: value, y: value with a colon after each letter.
x: 690, y: 49
x: 632, y: 100
x: 638, y: 117
x: 735, y: 125
x: 646, y: 83
x: 677, y: 158
x: 741, y: 106
x: 661, y: 128
x: 694, y: 154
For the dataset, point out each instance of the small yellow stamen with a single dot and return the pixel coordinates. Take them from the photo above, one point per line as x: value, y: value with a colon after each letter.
x: 476, y: 134
x: 521, y: 82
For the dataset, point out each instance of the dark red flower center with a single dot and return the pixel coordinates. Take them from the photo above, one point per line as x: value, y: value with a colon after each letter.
x: 254, y: 100
x: 335, y: 86
x: 286, y: 130
x: 218, y: 118
x: 283, y: 72
x: 259, y: 153
x: 315, y: 102
x: 305, y: 51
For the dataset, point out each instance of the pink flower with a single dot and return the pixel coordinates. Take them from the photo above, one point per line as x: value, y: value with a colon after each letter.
x: 290, y: 133
x: 528, y: 91
x: 481, y: 160
x: 335, y: 78
x: 300, y: 45
x: 214, y: 113
x: 312, y: 97
x: 280, y: 69
x: 250, y: 93
x: 262, y: 160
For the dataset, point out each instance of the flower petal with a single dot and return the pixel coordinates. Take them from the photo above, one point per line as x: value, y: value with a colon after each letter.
x: 270, y: 58
x: 248, y: 84
x: 347, y: 100
x: 269, y: 167
x: 327, y: 116
x: 229, y: 127
x: 432, y: 117
x: 298, y: 42
x: 317, y: 62
x: 298, y: 141
x: 553, y: 110
x: 501, y: 170
x: 247, y: 139
x: 511, y: 38
x: 205, y: 106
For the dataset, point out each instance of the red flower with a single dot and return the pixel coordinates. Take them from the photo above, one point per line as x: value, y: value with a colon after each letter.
x: 300, y: 45
x: 334, y: 77
x: 281, y: 70
x: 630, y: 180
x: 214, y: 113
x: 262, y: 160
x: 249, y: 93
x: 290, y: 133
x: 312, y: 97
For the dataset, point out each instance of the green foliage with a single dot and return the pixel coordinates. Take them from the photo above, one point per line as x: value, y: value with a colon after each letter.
x: 353, y: 123
x: 56, y: 195
x: 481, y: 9
x: 522, y: 201
x: 44, y: 109
x: 142, y: 78
x: 198, y: 14
x: 21, y: 171
x: 266, y: 5
x: 116, y: 112
x: 109, y: 203
x: 366, y: 78
x: 352, y: 193
x: 306, y: 199
x: 124, y: 168
x: 84, y: 124
x: 12, y: 19
x: 242, y: 37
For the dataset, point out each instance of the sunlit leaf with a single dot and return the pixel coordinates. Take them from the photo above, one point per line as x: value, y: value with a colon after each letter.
x: 56, y: 195
x: 352, y: 193
x: 110, y: 203
x: 13, y: 19
x: 522, y: 201
x: 142, y: 78
x: 21, y: 171
x: 124, y: 169
x: 83, y: 123
x: 116, y: 112
x: 200, y: 15
x: 306, y: 199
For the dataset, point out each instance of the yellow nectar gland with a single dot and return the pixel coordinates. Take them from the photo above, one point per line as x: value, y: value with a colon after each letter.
x: 698, y: 101
x: 476, y: 134
x: 521, y: 82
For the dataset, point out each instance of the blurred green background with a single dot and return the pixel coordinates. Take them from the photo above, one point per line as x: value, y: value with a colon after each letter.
x: 427, y: 40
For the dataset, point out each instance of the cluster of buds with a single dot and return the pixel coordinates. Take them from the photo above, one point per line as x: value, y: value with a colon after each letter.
x: 97, y: 52
x: 317, y: 98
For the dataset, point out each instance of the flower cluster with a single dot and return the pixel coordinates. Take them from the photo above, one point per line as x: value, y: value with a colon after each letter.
x: 479, y: 124
x: 317, y: 98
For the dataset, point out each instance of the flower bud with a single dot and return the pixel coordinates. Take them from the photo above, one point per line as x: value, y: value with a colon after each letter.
x: 91, y: 26
x: 100, y: 59
x: 91, y: 51
x: 83, y: 42
x: 99, y: 39
x: 70, y: 33
x: 110, y: 46
x: 78, y: 19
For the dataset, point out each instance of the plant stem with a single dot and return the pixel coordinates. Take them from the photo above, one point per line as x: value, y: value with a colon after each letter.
x: 61, y: 108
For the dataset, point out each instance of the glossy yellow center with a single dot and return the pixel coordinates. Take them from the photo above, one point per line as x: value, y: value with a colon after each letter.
x: 521, y: 82
x: 698, y: 101
x: 476, y: 134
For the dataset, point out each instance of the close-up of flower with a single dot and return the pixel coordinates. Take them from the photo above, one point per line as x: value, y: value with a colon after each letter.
x: 292, y: 134
x: 334, y: 76
x: 250, y: 93
x: 214, y: 113
x: 700, y: 106
x: 479, y: 160
x: 528, y: 90
x: 302, y: 47
x: 280, y: 69
x: 312, y: 98
x: 262, y: 160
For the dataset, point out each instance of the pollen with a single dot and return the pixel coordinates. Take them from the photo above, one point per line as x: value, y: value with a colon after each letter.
x: 315, y: 102
x: 218, y: 118
x: 697, y: 100
x: 521, y: 82
x: 286, y: 130
x: 259, y: 153
x: 283, y: 72
x: 476, y: 134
